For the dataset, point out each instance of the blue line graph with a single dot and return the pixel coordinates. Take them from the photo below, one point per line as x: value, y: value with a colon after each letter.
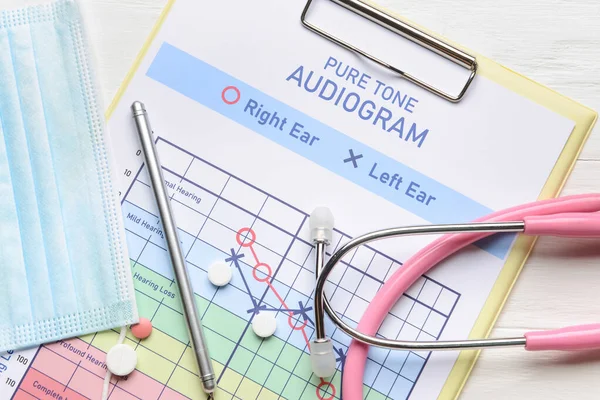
x: 274, y: 271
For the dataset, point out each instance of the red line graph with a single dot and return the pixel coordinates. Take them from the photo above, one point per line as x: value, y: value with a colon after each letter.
x: 261, y: 272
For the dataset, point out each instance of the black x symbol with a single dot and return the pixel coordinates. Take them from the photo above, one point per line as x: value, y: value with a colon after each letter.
x: 353, y: 158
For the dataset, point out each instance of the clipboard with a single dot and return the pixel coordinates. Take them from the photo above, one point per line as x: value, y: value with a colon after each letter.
x: 476, y: 64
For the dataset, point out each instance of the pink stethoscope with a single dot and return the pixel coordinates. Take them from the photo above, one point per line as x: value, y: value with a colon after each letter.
x: 573, y: 216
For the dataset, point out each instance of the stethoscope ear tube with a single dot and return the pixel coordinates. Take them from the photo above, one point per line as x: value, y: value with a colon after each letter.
x: 322, y: 304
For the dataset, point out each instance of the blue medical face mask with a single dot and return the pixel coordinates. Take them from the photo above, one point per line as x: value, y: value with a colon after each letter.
x: 64, y: 269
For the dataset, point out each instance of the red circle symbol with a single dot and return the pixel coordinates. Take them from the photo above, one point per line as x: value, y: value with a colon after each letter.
x: 267, y: 273
x: 228, y: 89
x: 325, y: 387
x: 245, y: 237
x: 292, y: 323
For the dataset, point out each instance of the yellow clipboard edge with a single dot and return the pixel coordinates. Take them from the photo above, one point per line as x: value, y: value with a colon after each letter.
x: 136, y: 64
x: 584, y: 119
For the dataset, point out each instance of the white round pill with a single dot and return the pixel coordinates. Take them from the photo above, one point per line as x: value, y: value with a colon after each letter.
x: 220, y: 273
x: 264, y: 324
x: 121, y: 360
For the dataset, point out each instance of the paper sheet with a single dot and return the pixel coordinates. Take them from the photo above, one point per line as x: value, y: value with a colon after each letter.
x: 258, y: 121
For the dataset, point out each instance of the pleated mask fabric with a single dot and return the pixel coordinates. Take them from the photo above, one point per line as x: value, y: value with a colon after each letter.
x: 64, y: 269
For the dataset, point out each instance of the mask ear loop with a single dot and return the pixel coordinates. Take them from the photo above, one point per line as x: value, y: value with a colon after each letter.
x: 108, y: 376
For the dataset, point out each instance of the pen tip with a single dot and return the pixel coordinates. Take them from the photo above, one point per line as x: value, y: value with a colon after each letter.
x: 209, y: 385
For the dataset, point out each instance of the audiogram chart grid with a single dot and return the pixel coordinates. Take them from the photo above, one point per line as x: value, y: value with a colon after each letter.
x: 223, y: 218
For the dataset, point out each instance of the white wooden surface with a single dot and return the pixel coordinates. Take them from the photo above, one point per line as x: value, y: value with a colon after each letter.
x: 556, y: 42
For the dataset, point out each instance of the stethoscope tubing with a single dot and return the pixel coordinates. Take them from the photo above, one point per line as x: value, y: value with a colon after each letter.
x: 422, y: 262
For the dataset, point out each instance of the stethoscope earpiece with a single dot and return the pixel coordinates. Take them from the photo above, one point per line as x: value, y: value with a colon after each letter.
x: 322, y: 358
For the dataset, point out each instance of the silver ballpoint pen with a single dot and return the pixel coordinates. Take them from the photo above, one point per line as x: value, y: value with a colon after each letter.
x: 190, y: 309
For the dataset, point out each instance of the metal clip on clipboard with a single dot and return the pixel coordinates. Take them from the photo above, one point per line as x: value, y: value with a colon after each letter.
x: 407, y: 31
